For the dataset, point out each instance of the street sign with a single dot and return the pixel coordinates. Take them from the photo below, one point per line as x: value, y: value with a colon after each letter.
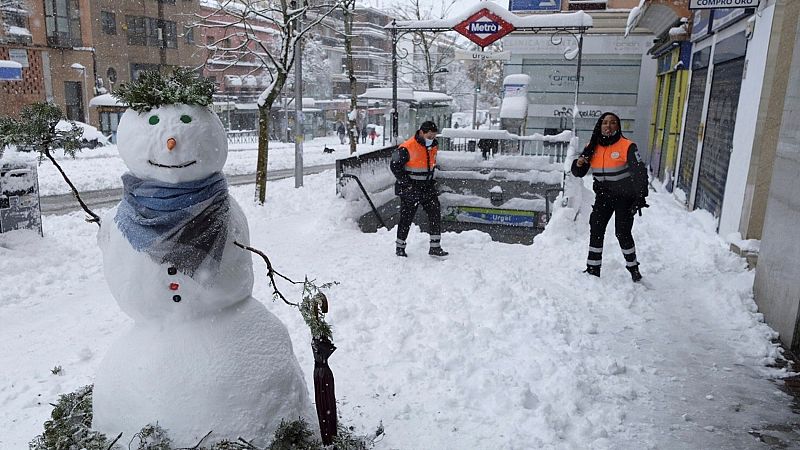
x: 10, y: 71
x: 534, y: 5
x: 484, y: 27
x: 714, y: 4
x: 483, y: 56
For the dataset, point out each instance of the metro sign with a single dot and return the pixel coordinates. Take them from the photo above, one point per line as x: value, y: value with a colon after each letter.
x: 484, y: 27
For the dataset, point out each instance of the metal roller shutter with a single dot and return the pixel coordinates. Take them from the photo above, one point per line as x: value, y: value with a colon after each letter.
x: 718, y: 140
x: 694, y: 112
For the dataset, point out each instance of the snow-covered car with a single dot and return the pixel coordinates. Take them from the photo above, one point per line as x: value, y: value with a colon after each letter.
x: 91, y: 137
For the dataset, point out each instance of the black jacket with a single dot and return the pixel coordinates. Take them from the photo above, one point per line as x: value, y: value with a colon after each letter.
x: 415, y: 190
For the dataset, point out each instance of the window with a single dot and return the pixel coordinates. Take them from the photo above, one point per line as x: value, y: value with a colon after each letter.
x: 109, y: 22
x: 73, y: 96
x: 170, y: 34
x: 153, y: 32
x: 189, y: 35
x: 137, y: 69
x: 137, y: 30
x: 63, y: 23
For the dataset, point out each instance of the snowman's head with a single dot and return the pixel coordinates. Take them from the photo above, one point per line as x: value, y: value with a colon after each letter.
x: 172, y: 143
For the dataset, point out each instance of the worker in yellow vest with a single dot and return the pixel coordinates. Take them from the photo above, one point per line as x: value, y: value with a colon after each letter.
x: 414, y: 164
x: 620, y: 187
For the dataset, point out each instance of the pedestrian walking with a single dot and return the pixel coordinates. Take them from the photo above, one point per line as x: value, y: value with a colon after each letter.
x: 364, y: 133
x: 373, y: 133
x: 341, y: 132
x: 414, y: 165
x: 620, y: 187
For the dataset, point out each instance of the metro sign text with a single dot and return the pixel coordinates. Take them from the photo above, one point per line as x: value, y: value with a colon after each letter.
x: 484, y: 27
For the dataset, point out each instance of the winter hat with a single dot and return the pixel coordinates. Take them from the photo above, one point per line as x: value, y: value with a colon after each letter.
x: 428, y: 126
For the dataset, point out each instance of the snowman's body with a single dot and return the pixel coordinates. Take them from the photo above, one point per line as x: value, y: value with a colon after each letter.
x: 203, y: 355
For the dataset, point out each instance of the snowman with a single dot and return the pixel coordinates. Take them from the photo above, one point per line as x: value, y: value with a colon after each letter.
x: 203, y: 355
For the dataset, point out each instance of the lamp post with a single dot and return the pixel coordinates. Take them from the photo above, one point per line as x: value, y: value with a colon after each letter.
x: 81, y: 68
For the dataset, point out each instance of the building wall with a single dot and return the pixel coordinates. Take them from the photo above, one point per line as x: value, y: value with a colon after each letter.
x: 617, y: 75
x: 786, y: 17
x: 777, y: 286
x: 114, y: 52
x: 746, y: 120
x: 16, y: 94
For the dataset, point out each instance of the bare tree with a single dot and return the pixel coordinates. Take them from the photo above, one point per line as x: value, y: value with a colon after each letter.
x: 435, y: 51
x: 348, y: 8
x: 242, y: 40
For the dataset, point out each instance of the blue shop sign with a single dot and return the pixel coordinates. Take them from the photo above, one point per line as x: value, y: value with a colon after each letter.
x: 534, y: 5
x: 10, y: 71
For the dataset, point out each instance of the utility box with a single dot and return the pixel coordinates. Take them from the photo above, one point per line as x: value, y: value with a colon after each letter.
x: 19, y: 197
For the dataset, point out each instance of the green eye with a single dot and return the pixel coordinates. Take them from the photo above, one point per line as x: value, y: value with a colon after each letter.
x: 185, y: 119
x: 153, y: 120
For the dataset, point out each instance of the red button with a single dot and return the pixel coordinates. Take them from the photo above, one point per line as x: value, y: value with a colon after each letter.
x: 173, y: 286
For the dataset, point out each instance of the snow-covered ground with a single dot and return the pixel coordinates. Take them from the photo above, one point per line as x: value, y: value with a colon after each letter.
x: 101, y: 168
x: 498, y: 347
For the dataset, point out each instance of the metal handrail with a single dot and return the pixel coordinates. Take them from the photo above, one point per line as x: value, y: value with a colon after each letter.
x: 372, y: 205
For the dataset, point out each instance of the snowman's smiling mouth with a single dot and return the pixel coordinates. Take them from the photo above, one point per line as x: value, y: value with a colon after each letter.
x: 177, y: 166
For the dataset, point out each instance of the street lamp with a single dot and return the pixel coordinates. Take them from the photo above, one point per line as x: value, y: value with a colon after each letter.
x: 80, y: 67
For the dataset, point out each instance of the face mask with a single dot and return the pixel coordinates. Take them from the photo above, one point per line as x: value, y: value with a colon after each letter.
x: 428, y: 142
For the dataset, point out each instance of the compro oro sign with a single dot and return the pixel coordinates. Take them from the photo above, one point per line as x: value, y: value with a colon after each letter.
x: 714, y: 4
x: 484, y: 27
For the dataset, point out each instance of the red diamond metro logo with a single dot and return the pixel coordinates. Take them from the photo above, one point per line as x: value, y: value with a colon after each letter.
x: 484, y: 27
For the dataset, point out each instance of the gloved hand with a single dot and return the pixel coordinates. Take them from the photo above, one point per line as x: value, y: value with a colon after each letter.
x: 638, y: 204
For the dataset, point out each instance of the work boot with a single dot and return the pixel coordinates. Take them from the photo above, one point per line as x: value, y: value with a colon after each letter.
x: 635, y: 275
x: 400, y: 252
x: 437, y: 251
x: 593, y: 270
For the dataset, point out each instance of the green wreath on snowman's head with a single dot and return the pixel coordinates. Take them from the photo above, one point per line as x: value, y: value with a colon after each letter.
x: 152, y: 90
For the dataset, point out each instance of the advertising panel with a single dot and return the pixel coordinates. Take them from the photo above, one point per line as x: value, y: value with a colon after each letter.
x: 534, y: 5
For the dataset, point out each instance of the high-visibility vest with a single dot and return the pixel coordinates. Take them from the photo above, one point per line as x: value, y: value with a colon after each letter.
x: 610, y: 163
x: 421, y: 161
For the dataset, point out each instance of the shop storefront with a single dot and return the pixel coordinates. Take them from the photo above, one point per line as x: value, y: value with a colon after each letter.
x: 671, y: 90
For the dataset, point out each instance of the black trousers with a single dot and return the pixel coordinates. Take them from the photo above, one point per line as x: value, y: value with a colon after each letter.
x: 604, y: 207
x: 408, y: 208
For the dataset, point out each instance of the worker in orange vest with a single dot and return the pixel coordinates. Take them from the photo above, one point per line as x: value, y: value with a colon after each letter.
x: 620, y: 187
x: 413, y: 164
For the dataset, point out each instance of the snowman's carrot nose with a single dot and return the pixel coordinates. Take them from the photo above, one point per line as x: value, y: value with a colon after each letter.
x: 171, y: 143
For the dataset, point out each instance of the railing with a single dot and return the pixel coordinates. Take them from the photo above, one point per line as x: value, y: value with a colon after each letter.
x: 501, y: 142
x: 371, y: 168
x: 242, y: 136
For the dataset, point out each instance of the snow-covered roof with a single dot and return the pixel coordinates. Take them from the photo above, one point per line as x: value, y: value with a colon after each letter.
x: 90, y: 133
x: 514, y: 107
x: 106, y: 100
x: 17, y: 31
x: 633, y: 17
x: 517, y: 78
x: 10, y: 64
x: 576, y: 19
x: 406, y: 95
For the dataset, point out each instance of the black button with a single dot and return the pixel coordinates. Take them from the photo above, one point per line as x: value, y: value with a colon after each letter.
x: 172, y: 271
x: 176, y: 298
